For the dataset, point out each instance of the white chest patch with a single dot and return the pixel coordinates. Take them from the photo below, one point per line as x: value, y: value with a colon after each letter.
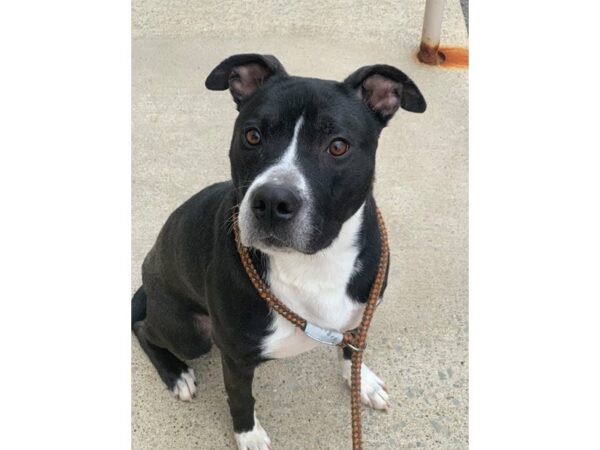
x: 314, y: 286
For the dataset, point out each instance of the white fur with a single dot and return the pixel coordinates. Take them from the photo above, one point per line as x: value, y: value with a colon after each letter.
x: 284, y: 171
x: 373, y: 391
x: 314, y: 286
x: 255, y: 439
x: 185, y: 387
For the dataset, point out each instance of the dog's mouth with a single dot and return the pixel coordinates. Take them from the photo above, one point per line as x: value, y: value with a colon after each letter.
x: 272, y: 243
x: 274, y: 240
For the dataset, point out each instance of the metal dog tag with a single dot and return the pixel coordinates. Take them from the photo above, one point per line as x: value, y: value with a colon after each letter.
x: 323, y: 335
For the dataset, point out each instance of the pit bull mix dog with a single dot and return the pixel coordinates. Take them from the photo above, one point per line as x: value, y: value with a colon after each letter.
x: 302, y: 171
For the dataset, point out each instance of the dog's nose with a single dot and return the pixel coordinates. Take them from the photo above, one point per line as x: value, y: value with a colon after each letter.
x: 273, y: 203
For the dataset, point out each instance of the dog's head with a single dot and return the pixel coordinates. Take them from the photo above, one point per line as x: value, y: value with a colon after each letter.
x: 303, y: 149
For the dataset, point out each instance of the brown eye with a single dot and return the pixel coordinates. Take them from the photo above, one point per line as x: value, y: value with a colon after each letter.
x: 338, y: 147
x: 253, y: 136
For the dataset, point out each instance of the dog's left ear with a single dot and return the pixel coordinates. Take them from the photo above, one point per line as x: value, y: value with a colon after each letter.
x: 243, y: 74
x: 385, y: 89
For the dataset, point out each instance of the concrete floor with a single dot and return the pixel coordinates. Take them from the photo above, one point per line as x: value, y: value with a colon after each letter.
x: 419, y: 338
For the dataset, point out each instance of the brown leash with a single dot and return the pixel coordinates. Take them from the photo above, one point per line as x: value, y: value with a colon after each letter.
x: 354, y: 339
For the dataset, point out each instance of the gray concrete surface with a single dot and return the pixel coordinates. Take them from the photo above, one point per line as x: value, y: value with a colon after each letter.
x: 419, y: 337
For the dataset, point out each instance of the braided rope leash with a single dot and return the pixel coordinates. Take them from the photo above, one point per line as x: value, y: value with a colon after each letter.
x: 354, y: 339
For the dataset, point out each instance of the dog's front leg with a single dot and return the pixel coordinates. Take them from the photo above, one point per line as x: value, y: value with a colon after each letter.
x: 249, y: 434
x: 373, y: 391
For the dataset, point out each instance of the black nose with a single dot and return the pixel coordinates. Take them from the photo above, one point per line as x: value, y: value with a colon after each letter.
x: 273, y: 203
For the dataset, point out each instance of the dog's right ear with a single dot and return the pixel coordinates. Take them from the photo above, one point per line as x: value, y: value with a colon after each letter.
x: 243, y: 74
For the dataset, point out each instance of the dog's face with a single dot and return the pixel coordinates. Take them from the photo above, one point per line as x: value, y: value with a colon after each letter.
x: 303, y: 150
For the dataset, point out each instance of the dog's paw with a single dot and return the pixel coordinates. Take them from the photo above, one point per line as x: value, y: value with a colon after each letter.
x: 185, y: 386
x: 373, y: 391
x: 255, y: 439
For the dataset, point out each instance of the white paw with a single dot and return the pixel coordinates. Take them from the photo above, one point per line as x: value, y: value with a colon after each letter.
x: 185, y: 387
x: 255, y: 439
x: 373, y: 391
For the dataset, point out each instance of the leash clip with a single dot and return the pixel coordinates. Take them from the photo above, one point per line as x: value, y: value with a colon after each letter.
x: 354, y: 347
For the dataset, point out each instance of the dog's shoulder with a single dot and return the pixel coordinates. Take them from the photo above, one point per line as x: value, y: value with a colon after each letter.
x: 369, y: 242
x: 186, y: 242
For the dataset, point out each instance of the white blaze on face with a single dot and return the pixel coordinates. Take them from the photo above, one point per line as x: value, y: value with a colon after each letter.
x: 285, y: 171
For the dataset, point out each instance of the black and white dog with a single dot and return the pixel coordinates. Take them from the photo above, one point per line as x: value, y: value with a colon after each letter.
x: 302, y: 167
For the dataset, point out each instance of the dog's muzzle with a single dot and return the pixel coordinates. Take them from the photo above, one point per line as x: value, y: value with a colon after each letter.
x: 275, y: 216
x: 274, y: 205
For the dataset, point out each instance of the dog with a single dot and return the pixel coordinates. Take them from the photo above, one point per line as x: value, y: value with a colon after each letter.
x: 302, y: 160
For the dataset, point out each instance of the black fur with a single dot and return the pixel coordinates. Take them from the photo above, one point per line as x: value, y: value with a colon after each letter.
x: 138, y: 306
x: 195, y: 289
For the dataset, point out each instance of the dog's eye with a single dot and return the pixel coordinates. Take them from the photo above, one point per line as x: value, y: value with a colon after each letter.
x: 338, y: 147
x: 253, y: 136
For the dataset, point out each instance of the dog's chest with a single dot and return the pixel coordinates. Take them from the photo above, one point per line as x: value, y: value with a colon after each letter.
x: 314, y: 287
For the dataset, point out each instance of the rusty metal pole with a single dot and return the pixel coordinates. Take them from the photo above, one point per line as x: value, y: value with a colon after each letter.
x: 432, y: 30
